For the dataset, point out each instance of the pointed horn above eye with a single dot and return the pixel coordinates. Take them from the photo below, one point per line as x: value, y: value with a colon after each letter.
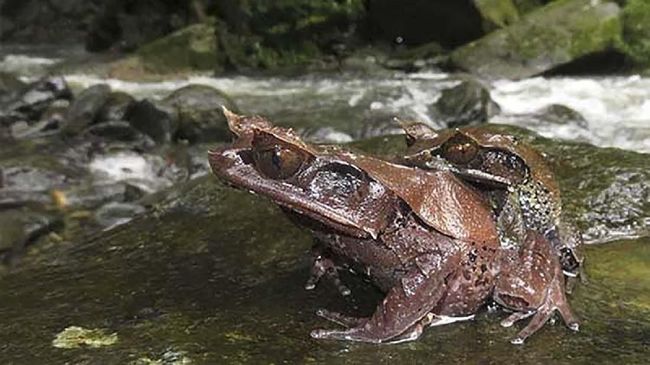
x: 416, y: 130
x: 230, y: 116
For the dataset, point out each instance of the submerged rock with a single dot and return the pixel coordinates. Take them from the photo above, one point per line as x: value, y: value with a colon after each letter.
x: 467, y: 103
x: 558, y: 33
x: 561, y: 114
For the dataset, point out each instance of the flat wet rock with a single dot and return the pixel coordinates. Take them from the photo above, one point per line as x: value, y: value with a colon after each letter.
x: 217, y: 276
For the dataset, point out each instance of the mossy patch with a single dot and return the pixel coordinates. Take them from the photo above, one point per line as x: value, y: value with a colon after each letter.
x: 636, y: 31
x: 75, y: 337
x: 553, y: 35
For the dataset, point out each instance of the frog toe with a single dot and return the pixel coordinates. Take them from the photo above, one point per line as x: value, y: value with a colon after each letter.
x: 518, y: 341
x: 341, y: 319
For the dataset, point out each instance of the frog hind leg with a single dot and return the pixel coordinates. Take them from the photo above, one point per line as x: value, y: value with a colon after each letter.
x: 398, y: 315
x: 555, y: 300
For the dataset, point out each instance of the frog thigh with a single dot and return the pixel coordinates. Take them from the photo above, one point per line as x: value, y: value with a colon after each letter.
x: 402, y: 309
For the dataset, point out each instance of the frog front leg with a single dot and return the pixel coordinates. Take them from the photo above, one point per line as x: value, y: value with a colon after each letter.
x: 397, y: 317
x: 324, y: 265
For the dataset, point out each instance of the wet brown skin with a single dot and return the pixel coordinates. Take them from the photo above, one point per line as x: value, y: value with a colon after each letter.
x: 514, y: 176
x: 439, y: 258
x: 532, y: 284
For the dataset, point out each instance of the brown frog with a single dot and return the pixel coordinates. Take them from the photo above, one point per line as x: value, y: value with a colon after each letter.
x: 423, y: 237
x: 519, y: 183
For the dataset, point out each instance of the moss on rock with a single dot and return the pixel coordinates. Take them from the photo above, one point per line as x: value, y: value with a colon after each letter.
x: 636, y: 31
x: 497, y: 13
x: 556, y: 34
x: 191, y: 48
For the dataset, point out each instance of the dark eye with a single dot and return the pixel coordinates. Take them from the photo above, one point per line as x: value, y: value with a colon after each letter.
x: 278, y: 162
x: 461, y: 153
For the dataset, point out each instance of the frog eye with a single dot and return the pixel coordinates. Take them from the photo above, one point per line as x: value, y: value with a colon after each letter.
x: 461, y: 153
x: 278, y: 162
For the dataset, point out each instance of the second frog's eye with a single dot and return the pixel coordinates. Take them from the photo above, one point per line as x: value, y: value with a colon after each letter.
x: 278, y: 162
x: 460, y: 152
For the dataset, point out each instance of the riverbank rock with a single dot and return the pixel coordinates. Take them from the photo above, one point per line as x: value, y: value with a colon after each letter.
x: 188, y: 279
x: 190, y: 48
x: 553, y: 35
x: 85, y: 108
x: 199, y: 112
x: 636, y: 31
x: 466, y: 103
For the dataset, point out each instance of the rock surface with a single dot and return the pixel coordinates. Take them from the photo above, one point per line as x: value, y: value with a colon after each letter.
x: 558, y: 33
x: 466, y: 103
x: 217, y: 276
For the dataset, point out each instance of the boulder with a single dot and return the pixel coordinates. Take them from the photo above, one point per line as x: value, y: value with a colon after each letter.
x: 466, y: 103
x: 217, y: 275
x: 562, y: 115
x: 199, y: 112
x: 115, y: 107
x: 554, y: 35
x: 636, y: 31
x: 152, y: 119
x: 497, y: 13
x: 84, y: 109
x: 190, y: 48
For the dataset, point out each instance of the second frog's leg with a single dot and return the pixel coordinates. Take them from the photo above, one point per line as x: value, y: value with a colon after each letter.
x: 402, y: 308
x: 555, y: 300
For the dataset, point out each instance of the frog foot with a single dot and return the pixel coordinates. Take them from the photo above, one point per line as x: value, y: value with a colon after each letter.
x: 400, y: 317
x: 325, y: 266
x: 556, y: 300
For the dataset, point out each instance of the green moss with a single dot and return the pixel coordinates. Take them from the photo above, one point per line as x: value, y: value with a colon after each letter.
x: 75, y: 337
x: 191, y: 48
x: 497, y: 13
x: 555, y: 34
x: 636, y: 31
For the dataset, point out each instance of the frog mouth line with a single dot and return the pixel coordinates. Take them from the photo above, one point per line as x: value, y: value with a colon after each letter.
x: 230, y: 165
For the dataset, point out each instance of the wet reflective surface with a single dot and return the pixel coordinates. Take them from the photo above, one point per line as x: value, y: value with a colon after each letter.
x: 223, y: 284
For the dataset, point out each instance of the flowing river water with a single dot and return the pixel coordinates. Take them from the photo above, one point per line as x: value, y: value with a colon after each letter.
x: 616, y: 108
